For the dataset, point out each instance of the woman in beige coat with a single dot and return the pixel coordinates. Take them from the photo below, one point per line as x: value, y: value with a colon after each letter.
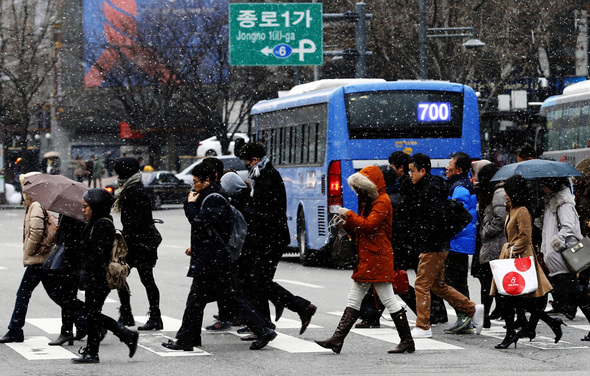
x: 518, y: 229
x: 34, y: 256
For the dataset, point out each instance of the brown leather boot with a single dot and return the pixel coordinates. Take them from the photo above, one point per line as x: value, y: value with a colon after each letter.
x: 335, y: 342
x: 403, y: 330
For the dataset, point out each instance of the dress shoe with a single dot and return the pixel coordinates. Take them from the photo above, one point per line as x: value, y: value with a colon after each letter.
x: 263, y: 339
x: 11, y: 336
x: 69, y: 338
x: 174, y: 345
x: 306, y: 316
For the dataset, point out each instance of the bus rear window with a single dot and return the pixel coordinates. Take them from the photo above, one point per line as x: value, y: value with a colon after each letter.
x: 408, y: 114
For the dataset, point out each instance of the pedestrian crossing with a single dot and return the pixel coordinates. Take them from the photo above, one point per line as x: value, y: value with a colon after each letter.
x: 36, y: 348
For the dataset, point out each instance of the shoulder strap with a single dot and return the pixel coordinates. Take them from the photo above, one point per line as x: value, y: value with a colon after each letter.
x: 212, y: 194
x: 92, y: 229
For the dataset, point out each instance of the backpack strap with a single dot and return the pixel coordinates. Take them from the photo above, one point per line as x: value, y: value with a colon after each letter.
x: 92, y: 229
x: 211, y: 227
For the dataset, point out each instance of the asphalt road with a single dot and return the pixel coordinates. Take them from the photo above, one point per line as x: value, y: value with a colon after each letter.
x: 364, y: 352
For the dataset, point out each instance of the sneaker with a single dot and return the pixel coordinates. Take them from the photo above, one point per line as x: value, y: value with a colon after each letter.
x: 421, y: 333
x: 478, y: 318
x: 462, y: 322
x: 468, y: 329
x: 244, y: 330
x: 218, y: 326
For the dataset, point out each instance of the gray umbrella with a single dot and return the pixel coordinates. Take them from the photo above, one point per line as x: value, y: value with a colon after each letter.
x: 56, y: 193
x: 535, y: 169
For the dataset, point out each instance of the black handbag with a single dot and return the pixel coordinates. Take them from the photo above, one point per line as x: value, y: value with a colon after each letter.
x: 577, y: 257
x: 344, y: 251
x: 56, y: 261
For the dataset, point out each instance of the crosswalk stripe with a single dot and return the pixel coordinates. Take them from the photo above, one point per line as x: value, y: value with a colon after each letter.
x: 170, y: 324
x: 153, y: 343
x: 48, y: 325
x: 292, y: 344
x: 389, y: 335
x: 299, y: 283
x: 37, y: 348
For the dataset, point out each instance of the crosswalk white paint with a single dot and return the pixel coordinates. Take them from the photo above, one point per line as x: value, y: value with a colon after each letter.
x: 299, y: 283
x: 153, y: 343
x: 37, y: 348
x: 170, y: 324
x: 540, y: 342
x: 292, y: 344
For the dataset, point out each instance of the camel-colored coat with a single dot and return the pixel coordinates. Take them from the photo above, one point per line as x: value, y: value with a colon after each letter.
x: 34, y: 229
x: 519, y: 230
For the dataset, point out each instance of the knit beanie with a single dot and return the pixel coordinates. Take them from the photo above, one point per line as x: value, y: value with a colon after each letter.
x: 125, y: 167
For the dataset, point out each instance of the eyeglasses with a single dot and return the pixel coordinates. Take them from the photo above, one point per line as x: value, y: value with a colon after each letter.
x: 196, y: 181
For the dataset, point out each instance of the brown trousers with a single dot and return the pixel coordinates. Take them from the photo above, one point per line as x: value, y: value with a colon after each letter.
x: 431, y: 276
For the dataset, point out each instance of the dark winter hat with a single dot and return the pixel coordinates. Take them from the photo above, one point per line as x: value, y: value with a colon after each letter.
x: 126, y: 167
x: 100, y: 202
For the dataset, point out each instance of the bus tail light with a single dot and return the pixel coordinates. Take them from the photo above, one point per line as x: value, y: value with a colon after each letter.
x: 334, y: 187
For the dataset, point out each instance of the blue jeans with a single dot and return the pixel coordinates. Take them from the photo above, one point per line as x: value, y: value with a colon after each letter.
x: 31, y: 278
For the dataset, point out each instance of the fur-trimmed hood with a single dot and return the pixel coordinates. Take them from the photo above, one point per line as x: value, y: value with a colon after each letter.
x: 557, y: 199
x: 369, y: 181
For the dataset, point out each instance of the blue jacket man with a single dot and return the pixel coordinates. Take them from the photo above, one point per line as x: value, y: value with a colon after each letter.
x: 463, y: 244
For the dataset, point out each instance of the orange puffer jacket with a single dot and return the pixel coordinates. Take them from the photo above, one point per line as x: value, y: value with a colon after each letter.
x: 373, y: 231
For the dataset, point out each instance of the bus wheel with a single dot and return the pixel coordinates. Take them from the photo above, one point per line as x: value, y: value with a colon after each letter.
x: 304, y: 252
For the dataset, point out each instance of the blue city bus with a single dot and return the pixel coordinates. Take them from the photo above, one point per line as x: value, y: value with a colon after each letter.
x: 322, y: 132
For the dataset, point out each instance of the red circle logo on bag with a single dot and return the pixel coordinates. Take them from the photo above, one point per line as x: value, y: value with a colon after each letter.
x: 523, y: 264
x: 513, y: 283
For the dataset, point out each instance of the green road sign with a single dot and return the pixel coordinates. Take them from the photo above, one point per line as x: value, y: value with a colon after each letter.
x: 275, y: 34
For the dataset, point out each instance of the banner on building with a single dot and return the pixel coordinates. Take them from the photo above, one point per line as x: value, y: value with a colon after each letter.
x: 144, y: 42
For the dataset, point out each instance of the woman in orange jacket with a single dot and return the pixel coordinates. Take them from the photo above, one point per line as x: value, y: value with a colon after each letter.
x: 372, y: 228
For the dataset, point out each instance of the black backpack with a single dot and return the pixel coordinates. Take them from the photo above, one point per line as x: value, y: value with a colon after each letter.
x: 456, y: 218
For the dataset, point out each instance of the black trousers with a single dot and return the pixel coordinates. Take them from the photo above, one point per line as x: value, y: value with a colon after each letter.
x: 567, y: 286
x: 261, y: 288
x: 535, y: 306
x: 33, y: 275
x: 209, y: 289
x: 456, y: 272
x: 95, y: 297
x: 146, y: 276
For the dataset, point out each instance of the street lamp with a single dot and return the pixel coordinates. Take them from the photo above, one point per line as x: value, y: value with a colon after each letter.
x: 441, y: 32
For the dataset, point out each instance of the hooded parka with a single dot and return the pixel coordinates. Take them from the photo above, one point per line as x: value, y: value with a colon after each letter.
x: 372, y: 227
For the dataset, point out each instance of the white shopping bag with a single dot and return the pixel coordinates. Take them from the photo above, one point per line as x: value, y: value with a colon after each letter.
x: 515, y: 276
